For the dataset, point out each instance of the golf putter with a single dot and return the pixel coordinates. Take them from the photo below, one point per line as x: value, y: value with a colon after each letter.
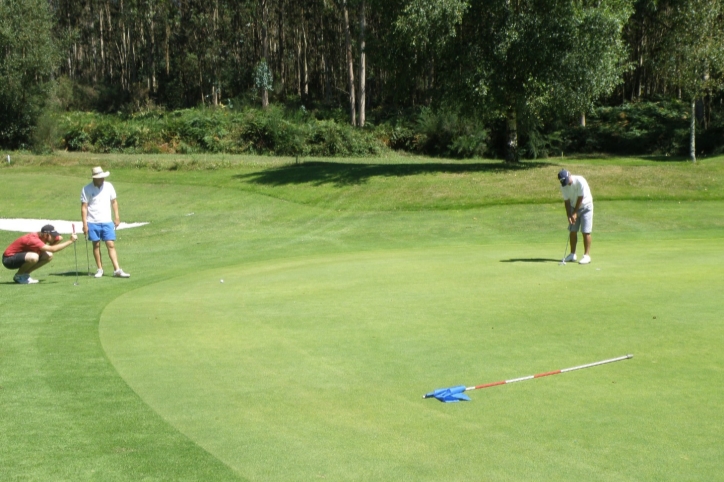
x: 75, y: 250
x: 87, y: 257
x: 568, y: 237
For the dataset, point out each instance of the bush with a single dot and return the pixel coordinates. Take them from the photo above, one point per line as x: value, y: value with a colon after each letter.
x: 255, y: 131
x: 45, y: 136
x: 446, y: 133
x: 634, y: 128
x: 443, y: 133
x: 639, y: 128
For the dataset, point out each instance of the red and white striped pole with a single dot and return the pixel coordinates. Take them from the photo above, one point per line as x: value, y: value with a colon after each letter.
x: 556, y: 372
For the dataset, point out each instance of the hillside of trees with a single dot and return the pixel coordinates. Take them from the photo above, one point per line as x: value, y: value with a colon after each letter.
x: 462, y: 78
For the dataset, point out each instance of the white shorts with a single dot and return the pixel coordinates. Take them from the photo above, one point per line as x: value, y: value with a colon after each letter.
x: 584, y: 221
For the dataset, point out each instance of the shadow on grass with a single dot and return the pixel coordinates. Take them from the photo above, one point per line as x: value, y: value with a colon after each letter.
x: 530, y: 260
x: 681, y: 159
x: 70, y: 273
x: 43, y: 281
x: 40, y: 281
x: 347, y: 174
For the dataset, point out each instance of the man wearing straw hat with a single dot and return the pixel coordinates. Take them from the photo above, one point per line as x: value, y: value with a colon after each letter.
x: 99, y: 223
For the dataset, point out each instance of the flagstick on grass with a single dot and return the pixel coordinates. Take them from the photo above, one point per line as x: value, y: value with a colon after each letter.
x: 456, y: 394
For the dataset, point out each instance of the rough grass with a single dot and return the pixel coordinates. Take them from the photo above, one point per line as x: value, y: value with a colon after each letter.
x: 410, y: 183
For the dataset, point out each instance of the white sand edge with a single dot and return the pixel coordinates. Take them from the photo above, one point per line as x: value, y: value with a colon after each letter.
x: 63, y: 227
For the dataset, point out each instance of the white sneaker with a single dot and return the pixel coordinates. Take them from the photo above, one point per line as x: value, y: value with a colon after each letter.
x: 570, y: 257
x: 99, y: 273
x: 585, y: 260
x: 24, y: 279
x: 119, y: 273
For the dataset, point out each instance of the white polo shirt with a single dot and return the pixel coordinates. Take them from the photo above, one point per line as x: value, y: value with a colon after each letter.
x: 99, y: 202
x: 577, y: 188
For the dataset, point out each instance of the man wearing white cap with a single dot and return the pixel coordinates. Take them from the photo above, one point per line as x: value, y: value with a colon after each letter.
x: 99, y: 223
x: 579, y: 210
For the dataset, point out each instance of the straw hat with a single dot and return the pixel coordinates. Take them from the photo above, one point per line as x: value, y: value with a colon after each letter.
x: 98, y: 173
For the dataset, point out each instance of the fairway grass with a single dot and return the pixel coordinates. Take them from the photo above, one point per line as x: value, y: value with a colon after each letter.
x: 344, y: 302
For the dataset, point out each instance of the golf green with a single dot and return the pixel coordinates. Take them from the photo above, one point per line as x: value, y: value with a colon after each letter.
x: 314, y: 367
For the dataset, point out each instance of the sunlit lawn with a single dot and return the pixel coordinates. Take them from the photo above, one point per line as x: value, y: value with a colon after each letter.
x: 351, y: 288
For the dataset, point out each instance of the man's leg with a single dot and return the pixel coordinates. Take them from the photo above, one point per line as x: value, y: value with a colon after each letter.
x: 44, y: 258
x: 97, y: 254
x: 31, y: 259
x: 587, y: 243
x: 574, y: 241
x: 111, y: 245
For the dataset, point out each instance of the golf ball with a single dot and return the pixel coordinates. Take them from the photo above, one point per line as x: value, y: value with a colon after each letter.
x: 222, y: 281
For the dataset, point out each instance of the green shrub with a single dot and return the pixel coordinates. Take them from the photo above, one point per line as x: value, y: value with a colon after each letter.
x: 45, y: 136
x: 447, y: 133
x: 634, y: 128
x: 272, y: 131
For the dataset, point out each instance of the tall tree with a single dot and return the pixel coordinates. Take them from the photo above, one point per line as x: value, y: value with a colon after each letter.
x: 594, y: 67
x: 695, y: 52
x: 350, y: 63
x: 264, y: 6
x: 28, y: 58
x: 516, y: 56
x: 362, y: 63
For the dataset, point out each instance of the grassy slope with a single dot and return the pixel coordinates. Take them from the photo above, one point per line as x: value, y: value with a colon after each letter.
x: 64, y: 402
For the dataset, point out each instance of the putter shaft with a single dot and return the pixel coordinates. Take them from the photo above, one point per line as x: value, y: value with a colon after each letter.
x: 75, y: 251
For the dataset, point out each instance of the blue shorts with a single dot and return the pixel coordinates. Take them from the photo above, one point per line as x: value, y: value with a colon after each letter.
x: 101, y: 232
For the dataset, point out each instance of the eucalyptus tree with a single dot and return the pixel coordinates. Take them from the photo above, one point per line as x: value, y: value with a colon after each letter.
x: 694, y: 59
x: 28, y: 58
x: 594, y: 67
x: 350, y: 63
x: 518, y: 56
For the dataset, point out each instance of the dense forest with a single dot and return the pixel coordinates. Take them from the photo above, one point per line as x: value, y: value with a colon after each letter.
x: 449, y: 77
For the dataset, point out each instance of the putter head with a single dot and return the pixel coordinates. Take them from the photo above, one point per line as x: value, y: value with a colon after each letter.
x: 562, y: 263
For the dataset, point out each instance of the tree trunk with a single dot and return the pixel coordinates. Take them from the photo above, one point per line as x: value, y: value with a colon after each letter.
x: 103, y: 49
x: 166, y: 48
x: 201, y: 85
x: 152, y: 38
x: 692, y: 141
x: 214, y: 60
x: 281, y: 40
x: 299, y: 65
x: 305, y: 89
x: 264, y: 49
x: 326, y: 87
x: 362, y: 64
x: 582, y: 119
x: 511, y: 145
x: 350, y: 65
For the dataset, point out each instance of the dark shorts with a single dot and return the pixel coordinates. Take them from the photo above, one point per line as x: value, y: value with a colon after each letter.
x: 15, y: 261
x: 101, y: 232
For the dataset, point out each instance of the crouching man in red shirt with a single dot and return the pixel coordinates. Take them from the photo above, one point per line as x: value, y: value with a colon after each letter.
x: 32, y: 251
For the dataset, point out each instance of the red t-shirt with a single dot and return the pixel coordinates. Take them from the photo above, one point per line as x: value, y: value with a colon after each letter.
x: 25, y: 244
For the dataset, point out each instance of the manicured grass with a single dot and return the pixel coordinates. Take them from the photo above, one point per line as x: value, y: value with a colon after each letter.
x: 350, y: 289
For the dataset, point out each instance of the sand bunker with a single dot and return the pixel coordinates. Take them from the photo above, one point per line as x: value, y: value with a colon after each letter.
x: 63, y: 227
